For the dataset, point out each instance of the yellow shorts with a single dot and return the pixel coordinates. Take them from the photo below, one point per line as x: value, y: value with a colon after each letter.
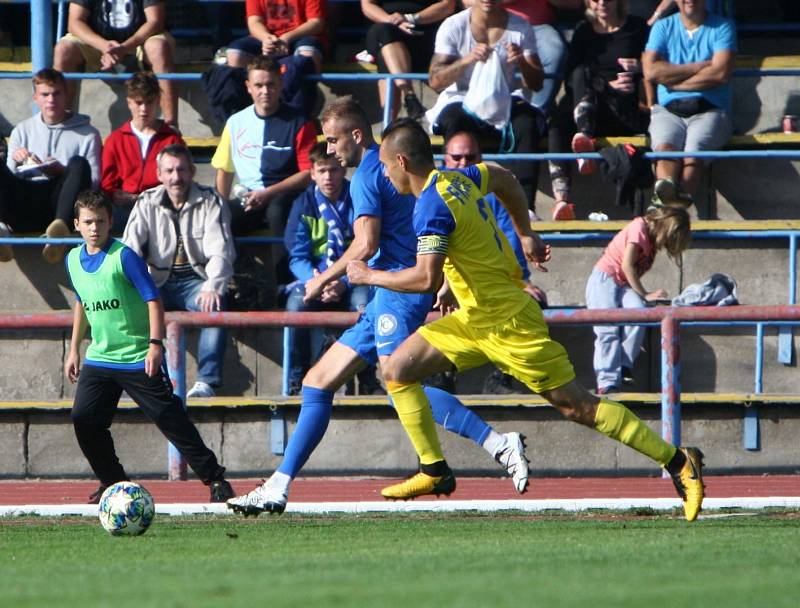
x: 91, y: 56
x: 520, y: 346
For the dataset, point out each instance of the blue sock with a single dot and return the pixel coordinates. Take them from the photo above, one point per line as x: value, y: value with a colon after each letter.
x: 453, y: 415
x: 315, y: 413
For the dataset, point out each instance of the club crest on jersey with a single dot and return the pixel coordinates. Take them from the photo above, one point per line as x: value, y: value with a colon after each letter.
x: 387, y: 324
x: 103, y: 305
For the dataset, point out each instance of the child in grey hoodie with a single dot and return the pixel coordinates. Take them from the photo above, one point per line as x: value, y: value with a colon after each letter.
x: 52, y: 156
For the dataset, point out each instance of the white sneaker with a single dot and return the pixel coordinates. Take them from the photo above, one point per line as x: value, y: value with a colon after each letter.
x: 263, y: 498
x: 6, y: 252
x: 200, y: 389
x: 512, y: 457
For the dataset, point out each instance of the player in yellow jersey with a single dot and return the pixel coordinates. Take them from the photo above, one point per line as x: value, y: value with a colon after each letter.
x: 496, y: 321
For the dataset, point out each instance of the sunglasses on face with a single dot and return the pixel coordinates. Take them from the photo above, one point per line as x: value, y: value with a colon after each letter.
x: 468, y: 157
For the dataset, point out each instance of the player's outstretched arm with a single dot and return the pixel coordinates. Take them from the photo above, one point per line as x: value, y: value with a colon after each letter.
x: 155, y: 354
x: 366, y: 238
x: 72, y: 366
x: 424, y: 277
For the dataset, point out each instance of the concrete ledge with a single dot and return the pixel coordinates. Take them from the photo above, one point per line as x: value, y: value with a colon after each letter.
x: 370, y: 441
x: 481, y: 401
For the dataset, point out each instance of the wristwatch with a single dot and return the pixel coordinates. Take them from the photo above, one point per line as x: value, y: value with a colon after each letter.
x: 157, y: 342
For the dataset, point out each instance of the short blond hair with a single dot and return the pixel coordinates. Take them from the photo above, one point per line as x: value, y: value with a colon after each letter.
x: 348, y: 113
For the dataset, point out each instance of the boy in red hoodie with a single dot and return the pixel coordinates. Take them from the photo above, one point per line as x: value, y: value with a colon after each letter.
x: 129, y: 154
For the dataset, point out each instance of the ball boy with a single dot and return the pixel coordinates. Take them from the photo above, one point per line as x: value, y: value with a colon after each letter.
x: 117, y: 298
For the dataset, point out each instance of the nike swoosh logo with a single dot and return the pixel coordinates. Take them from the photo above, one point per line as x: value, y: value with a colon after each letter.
x: 382, y: 344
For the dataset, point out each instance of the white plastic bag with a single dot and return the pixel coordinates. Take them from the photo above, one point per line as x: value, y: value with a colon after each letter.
x: 489, y: 96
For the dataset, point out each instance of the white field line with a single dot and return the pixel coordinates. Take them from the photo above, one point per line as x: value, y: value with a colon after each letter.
x: 441, y: 506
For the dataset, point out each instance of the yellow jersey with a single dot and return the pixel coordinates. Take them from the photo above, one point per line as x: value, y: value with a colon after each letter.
x: 452, y: 218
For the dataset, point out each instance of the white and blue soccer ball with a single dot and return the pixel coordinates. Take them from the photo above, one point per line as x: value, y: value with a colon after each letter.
x: 126, y: 509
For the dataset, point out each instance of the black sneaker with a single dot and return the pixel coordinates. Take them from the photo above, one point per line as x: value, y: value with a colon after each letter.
x: 414, y: 108
x: 368, y: 383
x: 221, y: 491
x: 498, y: 383
x: 94, y: 497
x: 445, y: 381
x: 627, y: 375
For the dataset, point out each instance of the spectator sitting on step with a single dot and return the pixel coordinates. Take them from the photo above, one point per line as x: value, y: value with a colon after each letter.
x: 664, y: 6
x: 129, y: 153
x: 690, y: 56
x: 182, y: 230
x: 119, y: 35
x: 318, y: 232
x: 279, y: 28
x: 460, y: 151
x: 401, y: 38
x: 487, y: 32
x: 603, y: 90
x: 550, y: 45
x: 51, y: 158
x: 266, y: 146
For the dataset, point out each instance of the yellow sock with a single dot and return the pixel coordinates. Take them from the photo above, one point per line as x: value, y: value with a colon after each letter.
x: 618, y: 422
x: 414, y: 411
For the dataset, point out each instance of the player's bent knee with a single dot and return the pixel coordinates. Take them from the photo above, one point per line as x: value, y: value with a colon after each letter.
x: 574, y: 402
x: 395, y: 372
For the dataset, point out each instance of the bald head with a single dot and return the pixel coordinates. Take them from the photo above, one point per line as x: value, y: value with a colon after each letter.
x: 461, y: 150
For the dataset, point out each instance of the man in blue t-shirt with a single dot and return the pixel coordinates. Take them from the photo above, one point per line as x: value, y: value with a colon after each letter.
x: 383, y: 233
x: 690, y: 57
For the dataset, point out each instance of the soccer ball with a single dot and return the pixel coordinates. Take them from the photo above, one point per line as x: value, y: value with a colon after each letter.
x: 126, y: 509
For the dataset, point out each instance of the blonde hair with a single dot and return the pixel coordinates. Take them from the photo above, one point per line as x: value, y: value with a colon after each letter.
x: 670, y: 228
x: 622, y: 10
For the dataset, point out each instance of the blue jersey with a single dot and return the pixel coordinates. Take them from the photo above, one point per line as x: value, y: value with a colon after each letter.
x: 374, y: 195
x: 673, y: 43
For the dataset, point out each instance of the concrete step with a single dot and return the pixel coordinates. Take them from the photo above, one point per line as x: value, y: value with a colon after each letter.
x: 369, y: 441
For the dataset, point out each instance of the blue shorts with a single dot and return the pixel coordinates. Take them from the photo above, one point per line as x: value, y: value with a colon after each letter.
x: 390, y: 317
x: 252, y: 46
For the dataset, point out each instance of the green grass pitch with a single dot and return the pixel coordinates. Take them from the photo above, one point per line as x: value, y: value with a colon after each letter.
x: 413, y: 560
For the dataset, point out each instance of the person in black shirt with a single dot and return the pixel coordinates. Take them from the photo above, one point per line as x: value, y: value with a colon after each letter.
x: 603, y: 84
x: 401, y: 39
x: 119, y: 35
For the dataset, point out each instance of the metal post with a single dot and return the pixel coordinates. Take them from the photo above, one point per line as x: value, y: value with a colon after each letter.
x: 61, y: 22
x: 786, y: 334
x: 176, y: 367
x: 41, y: 34
x: 759, y: 379
x: 670, y: 380
x: 751, y: 439
x: 288, y: 340
x: 388, y: 102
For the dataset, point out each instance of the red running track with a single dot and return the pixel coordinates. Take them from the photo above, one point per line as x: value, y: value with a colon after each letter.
x: 49, y: 492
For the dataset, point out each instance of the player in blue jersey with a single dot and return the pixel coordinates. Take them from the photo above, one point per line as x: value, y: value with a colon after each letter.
x: 496, y: 321
x: 384, y: 235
